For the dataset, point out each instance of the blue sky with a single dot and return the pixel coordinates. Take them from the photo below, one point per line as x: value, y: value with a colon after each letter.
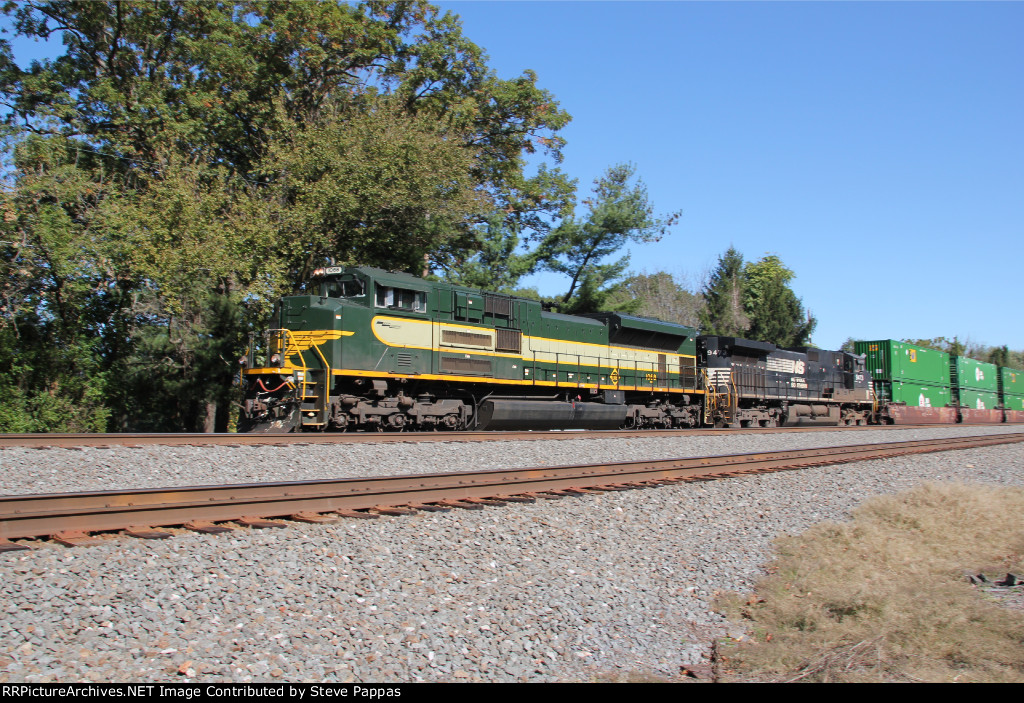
x: 876, y: 148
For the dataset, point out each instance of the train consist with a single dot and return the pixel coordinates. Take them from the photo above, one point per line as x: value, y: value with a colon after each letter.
x: 372, y: 349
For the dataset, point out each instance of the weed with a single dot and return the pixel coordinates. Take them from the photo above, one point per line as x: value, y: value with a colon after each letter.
x: 885, y: 597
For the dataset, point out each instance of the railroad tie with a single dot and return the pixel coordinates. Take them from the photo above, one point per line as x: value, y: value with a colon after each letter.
x: 258, y: 522
x: 145, y: 532
x: 207, y: 527
x: 75, y: 538
x: 357, y: 514
x: 461, y: 504
x: 392, y: 510
x: 485, y: 501
x: 429, y: 507
x: 313, y: 518
x: 6, y: 546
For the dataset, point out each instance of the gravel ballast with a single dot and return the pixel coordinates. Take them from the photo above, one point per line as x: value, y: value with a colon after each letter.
x: 53, y: 470
x: 570, y: 589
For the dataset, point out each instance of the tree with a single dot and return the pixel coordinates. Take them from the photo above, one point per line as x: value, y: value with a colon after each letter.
x: 723, y: 312
x: 229, y: 82
x: 1000, y: 356
x: 374, y: 186
x: 754, y: 300
x: 775, y: 313
x: 183, y: 163
x: 619, y: 213
x: 659, y: 295
x: 56, y: 301
x: 953, y: 347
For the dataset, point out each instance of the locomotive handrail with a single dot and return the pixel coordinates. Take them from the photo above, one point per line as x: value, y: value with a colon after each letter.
x: 713, y: 395
x: 327, y: 382
x: 709, y: 396
x: 289, y: 342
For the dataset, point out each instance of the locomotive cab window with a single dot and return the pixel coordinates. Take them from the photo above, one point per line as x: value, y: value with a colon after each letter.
x: 344, y: 288
x: 401, y: 299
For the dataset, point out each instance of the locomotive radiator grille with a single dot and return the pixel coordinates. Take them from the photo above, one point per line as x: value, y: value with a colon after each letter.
x: 509, y: 341
x: 454, y: 364
x: 467, y: 339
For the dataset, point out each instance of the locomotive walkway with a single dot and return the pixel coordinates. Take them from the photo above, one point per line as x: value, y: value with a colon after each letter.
x: 71, y: 517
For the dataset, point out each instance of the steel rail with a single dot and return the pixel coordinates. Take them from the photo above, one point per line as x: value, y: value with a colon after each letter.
x: 49, y: 515
x: 41, y: 440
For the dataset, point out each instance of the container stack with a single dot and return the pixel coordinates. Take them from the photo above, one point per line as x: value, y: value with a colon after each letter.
x: 911, y: 383
x: 1011, y: 390
x: 975, y: 390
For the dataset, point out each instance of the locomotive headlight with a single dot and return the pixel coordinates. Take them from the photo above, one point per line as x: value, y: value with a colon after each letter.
x: 275, y: 359
x: 299, y: 375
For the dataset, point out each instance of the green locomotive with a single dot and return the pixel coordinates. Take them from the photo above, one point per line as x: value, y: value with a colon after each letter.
x: 372, y: 349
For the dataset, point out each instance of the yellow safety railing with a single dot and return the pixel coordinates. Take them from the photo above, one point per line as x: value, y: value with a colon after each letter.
x: 715, y: 399
x: 284, y: 339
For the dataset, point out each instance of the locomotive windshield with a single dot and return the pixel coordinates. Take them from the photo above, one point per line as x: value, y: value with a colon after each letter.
x: 344, y: 287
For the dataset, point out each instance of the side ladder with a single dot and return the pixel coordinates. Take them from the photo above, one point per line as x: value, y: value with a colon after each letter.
x: 719, y: 396
x: 313, y: 388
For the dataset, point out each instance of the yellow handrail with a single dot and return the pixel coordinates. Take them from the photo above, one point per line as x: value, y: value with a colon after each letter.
x: 289, y: 343
x: 714, y: 398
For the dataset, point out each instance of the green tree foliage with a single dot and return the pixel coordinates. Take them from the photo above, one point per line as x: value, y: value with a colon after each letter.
x: 1000, y: 356
x: 183, y: 163
x: 619, y: 213
x: 723, y: 312
x: 775, y: 313
x: 954, y: 346
x: 495, y: 259
x: 56, y: 302
x: 379, y: 187
x: 754, y: 300
x: 232, y: 81
x: 659, y: 295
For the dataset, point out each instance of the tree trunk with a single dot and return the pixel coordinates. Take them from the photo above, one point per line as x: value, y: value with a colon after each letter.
x: 210, y: 423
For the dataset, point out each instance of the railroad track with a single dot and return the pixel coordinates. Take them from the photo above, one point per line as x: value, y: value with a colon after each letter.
x: 44, y: 440
x: 71, y: 517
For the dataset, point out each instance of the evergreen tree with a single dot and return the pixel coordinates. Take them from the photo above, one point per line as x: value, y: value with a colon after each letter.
x: 776, y: 314
x: 1000, y: 356
x: 754, y: 300
x: 723, y: 312
x: 619, y: 213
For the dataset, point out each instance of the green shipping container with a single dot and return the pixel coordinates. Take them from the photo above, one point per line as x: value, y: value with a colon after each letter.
x: 973, y: 374
x: 1012, y: 381
x: 920, y: 395
x: 1013, y: 402
x: 979, y: 400
x: 889, y: 360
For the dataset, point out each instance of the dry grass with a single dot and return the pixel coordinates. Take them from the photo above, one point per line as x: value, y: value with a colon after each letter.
x: 886, y: 598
